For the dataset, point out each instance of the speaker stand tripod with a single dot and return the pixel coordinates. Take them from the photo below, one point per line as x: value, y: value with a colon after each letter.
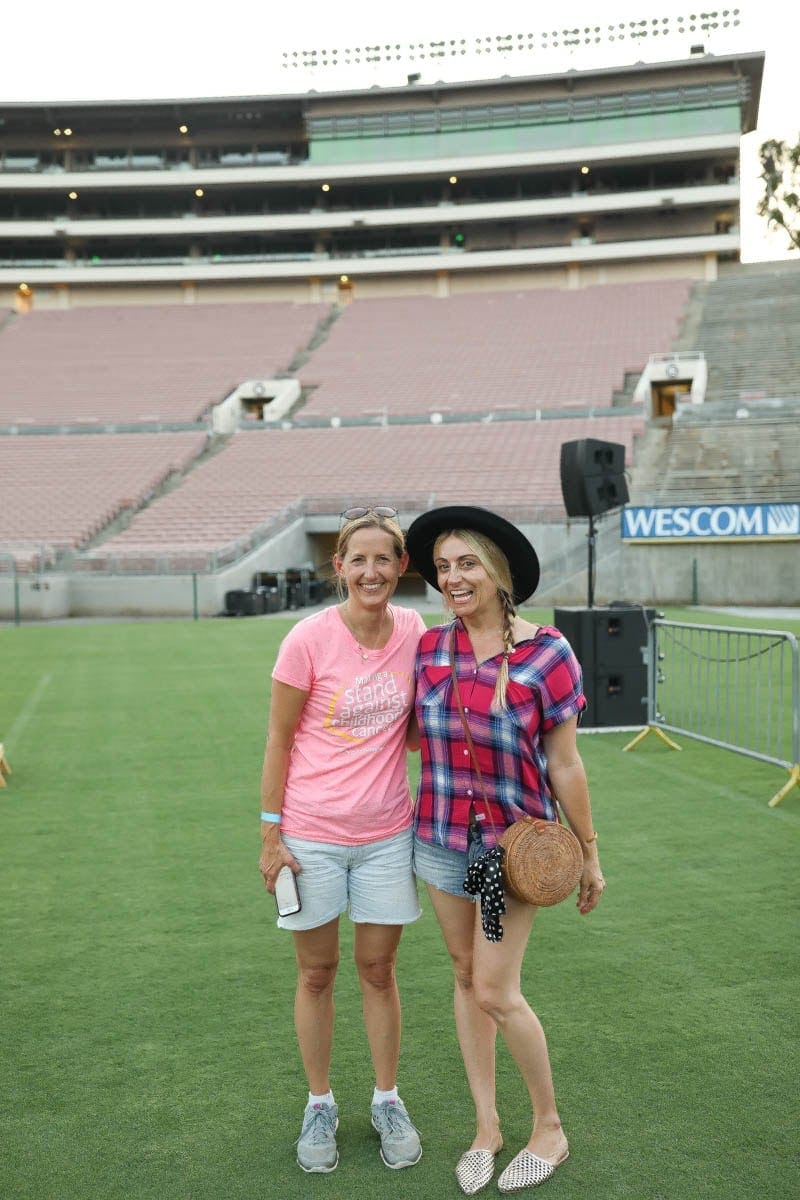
x: 591, y: 538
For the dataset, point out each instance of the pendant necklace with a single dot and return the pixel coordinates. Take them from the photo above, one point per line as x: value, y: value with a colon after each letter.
x: 360, y: 650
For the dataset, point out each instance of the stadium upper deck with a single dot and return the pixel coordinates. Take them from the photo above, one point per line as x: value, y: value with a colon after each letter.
x: 554, y: 180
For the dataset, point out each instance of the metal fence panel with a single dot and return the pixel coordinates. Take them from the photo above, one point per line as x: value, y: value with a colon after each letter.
x: 738, y: 689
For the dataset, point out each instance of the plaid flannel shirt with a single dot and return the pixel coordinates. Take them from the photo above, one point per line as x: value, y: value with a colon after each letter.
x: 545, y: 688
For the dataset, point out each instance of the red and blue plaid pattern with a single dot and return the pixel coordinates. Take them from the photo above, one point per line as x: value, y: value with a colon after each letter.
x: 545, y: 688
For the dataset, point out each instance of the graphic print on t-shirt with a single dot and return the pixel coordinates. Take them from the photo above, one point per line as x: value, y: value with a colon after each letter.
x: 369, y: 705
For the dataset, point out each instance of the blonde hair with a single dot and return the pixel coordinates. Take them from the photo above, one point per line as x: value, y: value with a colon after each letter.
x: 496, y: 565
x: 370, y: 520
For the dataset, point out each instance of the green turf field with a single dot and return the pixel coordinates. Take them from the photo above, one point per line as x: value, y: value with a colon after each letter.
x: 145, y: 1003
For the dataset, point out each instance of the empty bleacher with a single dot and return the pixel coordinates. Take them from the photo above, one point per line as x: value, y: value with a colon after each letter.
x: 142, y: 363
x: 400, y: 358
x: 748, y: 327
x: 745, y: 460
x: 490, y: 351
x: 509, y: 465
x: 57, y: 491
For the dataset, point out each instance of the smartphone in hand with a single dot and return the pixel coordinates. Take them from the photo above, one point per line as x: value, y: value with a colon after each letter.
x: 287, y: 896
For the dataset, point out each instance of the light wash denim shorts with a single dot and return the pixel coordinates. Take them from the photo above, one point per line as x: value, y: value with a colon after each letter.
x: 446, y: 869
x: 375, y: 879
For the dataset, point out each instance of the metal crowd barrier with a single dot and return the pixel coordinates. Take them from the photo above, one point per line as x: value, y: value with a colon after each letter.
x: 738, y: 689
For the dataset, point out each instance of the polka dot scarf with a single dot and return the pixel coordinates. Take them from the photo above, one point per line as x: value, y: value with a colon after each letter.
x: 484, y: 879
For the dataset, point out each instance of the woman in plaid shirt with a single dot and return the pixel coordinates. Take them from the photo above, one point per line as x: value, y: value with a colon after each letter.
x: 521, y: 689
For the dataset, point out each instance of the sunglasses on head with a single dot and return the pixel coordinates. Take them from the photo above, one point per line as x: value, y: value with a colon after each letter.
x: 363, y: 510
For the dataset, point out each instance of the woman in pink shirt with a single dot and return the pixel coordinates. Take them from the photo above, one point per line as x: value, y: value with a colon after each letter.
x: 337, y: 812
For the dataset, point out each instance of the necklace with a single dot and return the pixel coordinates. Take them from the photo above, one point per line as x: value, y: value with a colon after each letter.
x: 362, y: 651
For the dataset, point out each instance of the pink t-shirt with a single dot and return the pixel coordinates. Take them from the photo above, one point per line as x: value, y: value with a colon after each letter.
x: 347, y: 781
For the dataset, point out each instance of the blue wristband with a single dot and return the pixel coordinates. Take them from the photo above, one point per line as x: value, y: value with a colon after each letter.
x: 273, y: 818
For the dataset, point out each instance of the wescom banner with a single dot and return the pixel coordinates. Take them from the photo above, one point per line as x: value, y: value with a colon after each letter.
x: 711, y: 522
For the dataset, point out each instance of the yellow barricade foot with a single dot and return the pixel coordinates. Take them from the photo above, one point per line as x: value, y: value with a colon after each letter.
x: 5, y: 769
x: 792, y: 781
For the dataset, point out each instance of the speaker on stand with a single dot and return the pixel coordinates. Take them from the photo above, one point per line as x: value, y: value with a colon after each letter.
x: 592, y: 482
x: 609, y: 643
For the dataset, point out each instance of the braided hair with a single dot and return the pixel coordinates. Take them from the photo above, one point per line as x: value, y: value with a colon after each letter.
x: 499, y: 703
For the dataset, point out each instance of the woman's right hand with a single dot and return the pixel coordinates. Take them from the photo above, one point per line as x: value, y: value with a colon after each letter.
x: 274, y: 855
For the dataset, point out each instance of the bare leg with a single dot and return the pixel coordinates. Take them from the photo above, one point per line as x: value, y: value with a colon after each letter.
x: 317, y: 952
x: 376, y: 954
x: 459, y: 919
x: 498, y: 993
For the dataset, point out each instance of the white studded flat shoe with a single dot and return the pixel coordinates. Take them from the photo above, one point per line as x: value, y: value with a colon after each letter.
x: 527, y: 1170
x: 474, y: 1170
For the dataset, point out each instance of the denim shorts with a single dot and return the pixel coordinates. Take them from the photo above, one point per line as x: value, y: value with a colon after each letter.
x: 446, y: 869
x: 375, y: 879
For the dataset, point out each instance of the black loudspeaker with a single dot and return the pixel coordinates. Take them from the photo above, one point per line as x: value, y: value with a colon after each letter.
x: 254, y: 604
x: 239, y: 603
x: 592, y: 477
x: 620, y: 698
x: 609, y: 643
x: 235, y: 603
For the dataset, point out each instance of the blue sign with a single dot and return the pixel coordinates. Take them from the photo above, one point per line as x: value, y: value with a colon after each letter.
x: 711, y: 522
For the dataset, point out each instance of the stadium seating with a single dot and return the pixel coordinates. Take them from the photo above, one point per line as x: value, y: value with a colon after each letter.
x: 490, y: 351
x: 501, y: 353
x: 142, y: 363
x: 746, y: 460
x: 510, y: 465
x: 747, y: 329
x: 57, y: 491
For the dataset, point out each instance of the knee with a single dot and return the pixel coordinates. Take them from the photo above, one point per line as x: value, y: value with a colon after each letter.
x: 494, y: 1001
x: 462, y: 969
x: 318, y: 978
x: 376, y: 973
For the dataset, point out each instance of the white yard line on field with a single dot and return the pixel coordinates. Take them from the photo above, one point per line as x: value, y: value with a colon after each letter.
x: 27, y: 710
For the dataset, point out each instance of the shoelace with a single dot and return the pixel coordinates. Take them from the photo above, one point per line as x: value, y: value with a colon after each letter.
x: 321, y: 1126
x: 396, y: 1120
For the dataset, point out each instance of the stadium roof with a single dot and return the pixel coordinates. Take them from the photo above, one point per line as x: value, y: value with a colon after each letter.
x: 749, y: 64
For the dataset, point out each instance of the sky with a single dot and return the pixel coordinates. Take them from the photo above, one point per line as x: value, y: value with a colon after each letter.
x: 158, y: 49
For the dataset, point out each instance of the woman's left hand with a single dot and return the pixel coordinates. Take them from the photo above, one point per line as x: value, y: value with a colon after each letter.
x: 592, y: 887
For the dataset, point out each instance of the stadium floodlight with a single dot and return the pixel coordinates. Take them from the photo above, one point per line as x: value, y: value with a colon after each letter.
x: 553, y: 40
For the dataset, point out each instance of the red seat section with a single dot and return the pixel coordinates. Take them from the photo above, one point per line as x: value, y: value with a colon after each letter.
x: 142, y: 363
x: 57, y: 491
x: 508, y: 465
x: 489, y: 351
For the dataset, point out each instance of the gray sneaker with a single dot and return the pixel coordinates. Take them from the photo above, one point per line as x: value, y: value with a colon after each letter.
x: 400, y: 1144
x: 316, y: 1146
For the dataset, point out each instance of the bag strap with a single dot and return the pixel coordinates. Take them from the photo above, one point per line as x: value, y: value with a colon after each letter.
x: 467, y: 734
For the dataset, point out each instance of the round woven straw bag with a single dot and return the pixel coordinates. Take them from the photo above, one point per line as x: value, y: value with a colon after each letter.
x: 542, y: 862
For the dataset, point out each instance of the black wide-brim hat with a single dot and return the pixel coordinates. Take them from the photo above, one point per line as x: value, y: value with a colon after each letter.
x: 522, y: 558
